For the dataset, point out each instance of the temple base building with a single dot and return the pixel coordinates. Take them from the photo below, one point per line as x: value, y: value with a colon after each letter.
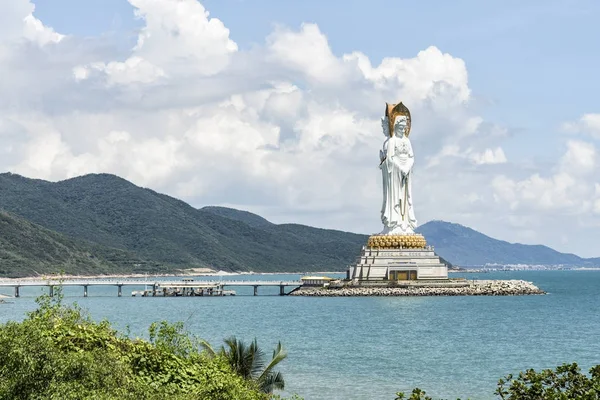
x: 397, y: 258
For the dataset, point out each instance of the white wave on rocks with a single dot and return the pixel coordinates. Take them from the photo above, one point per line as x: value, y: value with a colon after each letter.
x: 473, y: 288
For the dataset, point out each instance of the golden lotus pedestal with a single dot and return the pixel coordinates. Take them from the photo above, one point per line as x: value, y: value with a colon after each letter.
x: 416, y: 241
x: 397, y: 258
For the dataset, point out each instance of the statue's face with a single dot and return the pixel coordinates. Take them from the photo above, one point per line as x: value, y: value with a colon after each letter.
x: 400, y: 125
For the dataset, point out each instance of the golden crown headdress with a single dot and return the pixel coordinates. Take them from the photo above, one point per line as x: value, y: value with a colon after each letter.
x: 394, y: 110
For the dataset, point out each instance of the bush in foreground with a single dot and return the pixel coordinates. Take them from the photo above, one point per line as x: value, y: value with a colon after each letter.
x: 58, y: 352
x: 566, y: 382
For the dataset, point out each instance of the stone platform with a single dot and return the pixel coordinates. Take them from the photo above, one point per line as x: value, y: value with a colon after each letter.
x: 447, y: 288
x: 397, y: 258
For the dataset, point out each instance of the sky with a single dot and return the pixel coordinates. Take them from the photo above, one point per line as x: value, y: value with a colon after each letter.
x: 274, y: 106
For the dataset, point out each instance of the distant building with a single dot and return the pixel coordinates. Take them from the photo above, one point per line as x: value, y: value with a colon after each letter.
x: 315, y: 280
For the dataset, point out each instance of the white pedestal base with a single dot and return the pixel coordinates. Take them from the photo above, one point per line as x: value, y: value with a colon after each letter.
x: 398, y: 264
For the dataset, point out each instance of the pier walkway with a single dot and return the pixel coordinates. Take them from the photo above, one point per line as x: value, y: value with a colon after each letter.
x: 156, y: 285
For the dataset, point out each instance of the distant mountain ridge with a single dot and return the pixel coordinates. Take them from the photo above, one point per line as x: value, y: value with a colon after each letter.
x: 463, y: 246
x: 466, y: 247
x: 239, y: 215
x: 132, y: 229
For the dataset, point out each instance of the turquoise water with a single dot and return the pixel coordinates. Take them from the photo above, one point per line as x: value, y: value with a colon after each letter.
x: 369, y: 348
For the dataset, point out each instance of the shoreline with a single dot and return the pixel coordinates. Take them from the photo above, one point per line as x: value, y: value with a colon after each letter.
x: 165, y: 275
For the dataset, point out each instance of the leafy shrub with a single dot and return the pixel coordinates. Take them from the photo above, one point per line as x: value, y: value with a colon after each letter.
x: 58, y: 352
x: 566, y: 382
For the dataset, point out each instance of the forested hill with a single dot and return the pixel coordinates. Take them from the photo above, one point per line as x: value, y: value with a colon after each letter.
x: 114, y: 213
x: 27, y: 249
x: 101, y: 223
x: 459, y: 245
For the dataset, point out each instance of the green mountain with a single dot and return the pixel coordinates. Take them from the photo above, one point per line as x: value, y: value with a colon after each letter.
x: 467, y: 247
x: 28, y: 249
x: 243, y: 216
x: 101, y: 223
x: 114, y: 213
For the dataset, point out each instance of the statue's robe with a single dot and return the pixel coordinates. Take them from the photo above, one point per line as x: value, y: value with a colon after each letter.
x: 397, y: 213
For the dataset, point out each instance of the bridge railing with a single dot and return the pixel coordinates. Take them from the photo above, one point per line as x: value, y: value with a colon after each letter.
x: 141, y: 282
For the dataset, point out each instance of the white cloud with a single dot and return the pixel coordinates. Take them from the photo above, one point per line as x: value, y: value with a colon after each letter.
x: 35, y: 31
x: 597, y: 201
x: 505, y: 191
x: 145, y: 160
x: 580, y: 157
x: 430, y: 75
x: 133, y: 70
x: 308, y: 53
x: 451, y: 150
x: 18, y: 23
x: 182, y: 29
x: 567, y: 189
x: 489, y: 156
x: 43, y: 152
x: 418, y: 76
x: 588, y: 123
x: 178, y: 37
x: 289, y: 129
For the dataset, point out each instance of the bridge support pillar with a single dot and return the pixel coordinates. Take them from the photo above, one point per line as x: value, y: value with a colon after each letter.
x: 281, y: 290
x: 85, y: 290
x: 51, y: 291
x: 119, y: 290
x: 256, y: 290
x: 16, y: 291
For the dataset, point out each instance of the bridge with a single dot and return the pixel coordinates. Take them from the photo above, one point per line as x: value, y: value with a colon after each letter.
x: 155, y: 285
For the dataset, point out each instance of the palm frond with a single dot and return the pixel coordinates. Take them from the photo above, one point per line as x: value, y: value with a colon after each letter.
x: 248, y: 361
x: 208, y: 348
x: 257, y: 360
x: 272, y: 382
x: 279, y: 354
x: 243, y: 358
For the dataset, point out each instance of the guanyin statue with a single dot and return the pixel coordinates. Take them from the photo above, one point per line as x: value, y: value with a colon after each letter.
x: 396, y: 162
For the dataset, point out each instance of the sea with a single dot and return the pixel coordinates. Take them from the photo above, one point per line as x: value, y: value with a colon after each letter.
x: 373, y: 347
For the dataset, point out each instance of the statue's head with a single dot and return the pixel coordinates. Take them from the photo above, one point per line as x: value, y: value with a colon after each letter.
x: 398, y: 113
x: 401, y: 125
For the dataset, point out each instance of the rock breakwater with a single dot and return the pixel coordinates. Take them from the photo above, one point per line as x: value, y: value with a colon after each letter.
x: 470, y: 288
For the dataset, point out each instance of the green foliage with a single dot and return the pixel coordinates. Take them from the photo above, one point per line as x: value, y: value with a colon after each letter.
x: 248, y: 361
x: 416, y: 394
x: 294, y: 397
x: 565, y: 382
x: 29, y: 249
x: 135, y: 229
x: 58, y: 352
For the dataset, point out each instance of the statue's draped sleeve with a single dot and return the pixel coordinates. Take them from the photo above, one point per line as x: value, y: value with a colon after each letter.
x: 411, y: 156
x: 391, y: 149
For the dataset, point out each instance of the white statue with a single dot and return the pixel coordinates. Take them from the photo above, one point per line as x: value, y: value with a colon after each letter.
x: 396, y: 161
